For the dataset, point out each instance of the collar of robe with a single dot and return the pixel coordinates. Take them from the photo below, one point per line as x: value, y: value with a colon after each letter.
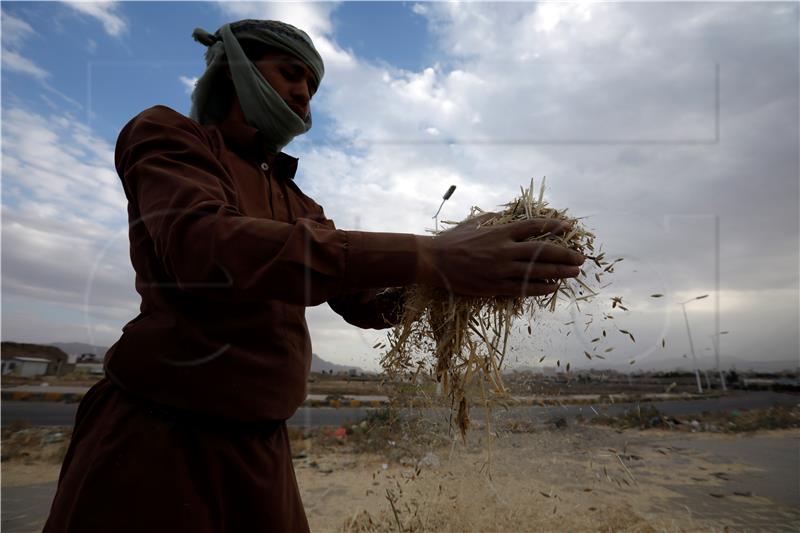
x: 248, y: 142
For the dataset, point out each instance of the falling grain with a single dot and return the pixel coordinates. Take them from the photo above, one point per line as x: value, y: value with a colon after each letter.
x: 462, y: 340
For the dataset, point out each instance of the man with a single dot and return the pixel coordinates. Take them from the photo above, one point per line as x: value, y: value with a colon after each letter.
x: 187, y: 431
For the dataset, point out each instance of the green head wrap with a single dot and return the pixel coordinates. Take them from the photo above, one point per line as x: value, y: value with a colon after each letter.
x: 263, y: 107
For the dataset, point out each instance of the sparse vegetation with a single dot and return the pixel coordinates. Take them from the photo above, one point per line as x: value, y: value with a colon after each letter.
x: 647, y: 416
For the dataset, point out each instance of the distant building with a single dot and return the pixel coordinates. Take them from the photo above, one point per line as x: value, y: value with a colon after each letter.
x: 27, y: 367
x: 55, y: 358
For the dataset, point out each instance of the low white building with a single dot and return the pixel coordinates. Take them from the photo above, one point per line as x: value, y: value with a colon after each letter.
x: 25, y: 366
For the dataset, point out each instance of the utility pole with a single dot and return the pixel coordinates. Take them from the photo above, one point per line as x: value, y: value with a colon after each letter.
x: 716, y: 297
x: 691, y: 344
x: 715, y: 342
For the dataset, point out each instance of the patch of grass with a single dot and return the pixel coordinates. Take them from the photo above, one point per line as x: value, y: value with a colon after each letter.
x: 776, y: 417
x: 642, y: 417
x: 31, y: 444
x: 388, y: 431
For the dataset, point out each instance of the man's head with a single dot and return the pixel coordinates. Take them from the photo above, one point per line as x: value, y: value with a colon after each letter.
x: 269, y: 68
x: 291, y: 78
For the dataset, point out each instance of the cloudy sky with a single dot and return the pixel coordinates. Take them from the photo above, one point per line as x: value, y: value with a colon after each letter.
x: 650, y: 119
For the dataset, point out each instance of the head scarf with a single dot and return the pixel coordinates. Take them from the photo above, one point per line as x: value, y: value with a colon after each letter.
x: 263, y: 107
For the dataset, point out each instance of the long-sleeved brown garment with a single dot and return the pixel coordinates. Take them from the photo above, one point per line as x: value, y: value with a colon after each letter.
x: 228, y: 253
x: 187, y: 434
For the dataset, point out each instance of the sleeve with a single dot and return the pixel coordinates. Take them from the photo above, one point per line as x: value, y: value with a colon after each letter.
x: 372, y: 309
x: 205, y: 245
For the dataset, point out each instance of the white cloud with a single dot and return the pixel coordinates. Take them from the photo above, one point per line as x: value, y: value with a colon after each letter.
x: 419, y: 9
x: 14, y: 61
x: 105, y: 12
x: 15, y: 32
x: 188, y: 83
x: 588, y: 83
x: 15, y: 29
x: 312, y: 17
x: 590, y: 86
x: 64, y: 225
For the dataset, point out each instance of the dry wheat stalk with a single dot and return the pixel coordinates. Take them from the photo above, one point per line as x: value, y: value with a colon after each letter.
x: 469, y: 335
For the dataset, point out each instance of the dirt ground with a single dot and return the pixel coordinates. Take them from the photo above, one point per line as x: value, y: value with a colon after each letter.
x: 579, y: 478
x: 32, y: 454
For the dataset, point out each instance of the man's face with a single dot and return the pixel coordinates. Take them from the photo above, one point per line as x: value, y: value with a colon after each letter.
x: 291, y: 79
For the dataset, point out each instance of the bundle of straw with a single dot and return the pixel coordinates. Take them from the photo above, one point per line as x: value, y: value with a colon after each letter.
x: 468, y: 336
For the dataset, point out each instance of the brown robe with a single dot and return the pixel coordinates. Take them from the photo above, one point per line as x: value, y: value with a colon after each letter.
x: 187, y: 432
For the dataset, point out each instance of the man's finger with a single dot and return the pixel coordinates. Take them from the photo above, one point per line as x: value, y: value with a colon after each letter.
x: 474, y: 222
x: 546, y: 252
x: 537, y: 289
x: 541, y: 270
x: 535, y: 227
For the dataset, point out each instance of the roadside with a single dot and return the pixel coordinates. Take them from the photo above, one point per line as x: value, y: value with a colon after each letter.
x: 74, y: 394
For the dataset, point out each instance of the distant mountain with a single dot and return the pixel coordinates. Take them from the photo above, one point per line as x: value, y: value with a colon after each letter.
x: 760, y: 366
x: 707, y: 363
x: 75, y: 349
x: 318, y: 364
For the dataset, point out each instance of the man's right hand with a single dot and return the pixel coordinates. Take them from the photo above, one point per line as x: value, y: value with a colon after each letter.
x: 496, y: 260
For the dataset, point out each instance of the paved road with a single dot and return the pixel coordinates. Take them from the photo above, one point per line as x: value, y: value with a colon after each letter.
x: 63, y: 414
x: 735, y: 401
x: 772, y: 472
x: 25, y: 508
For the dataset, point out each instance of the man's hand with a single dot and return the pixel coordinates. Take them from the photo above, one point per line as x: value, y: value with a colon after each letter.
x: 496, y: 260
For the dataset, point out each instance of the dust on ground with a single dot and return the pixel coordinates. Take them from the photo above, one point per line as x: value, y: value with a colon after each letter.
x: 580, y: 479
x: 405, y: 475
